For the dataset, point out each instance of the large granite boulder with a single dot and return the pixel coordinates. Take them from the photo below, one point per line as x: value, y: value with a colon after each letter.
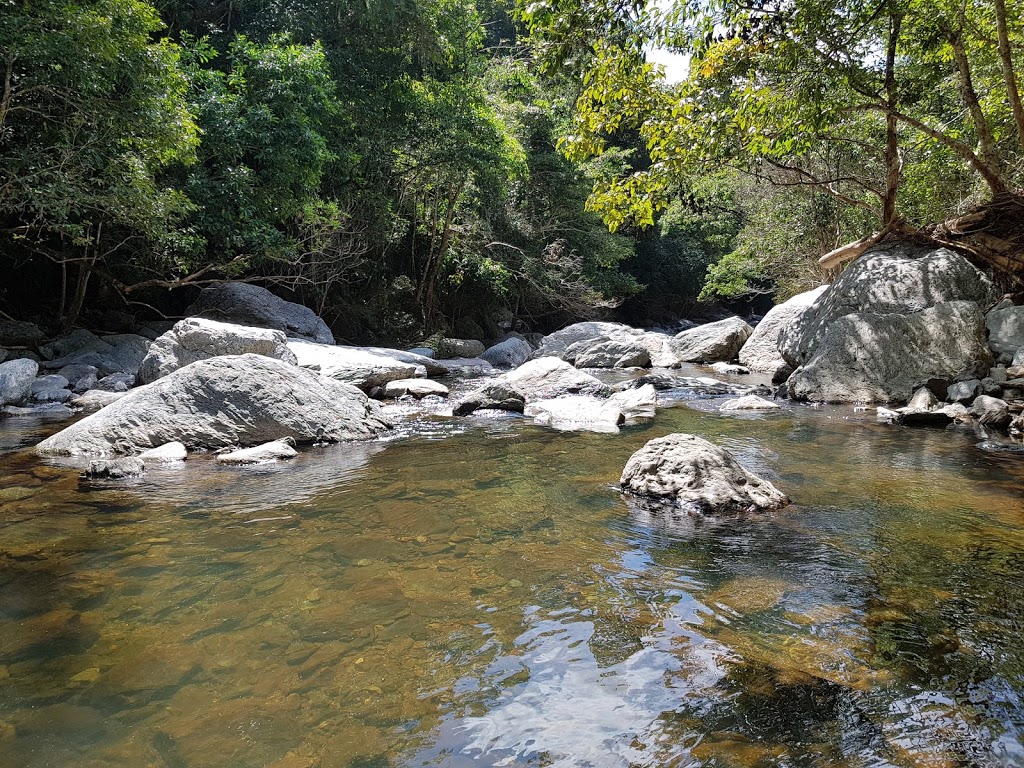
x: 891, y: 280
x: 223, y: 402
x: 198, y: 338
x: 698, y: 476
x: 361, y: 367
x: 16, y: 333
x: 713, y: 341
x: 868, y: 357
x: 249, y: 304
x: 510, y: 353
x: 16, y: 379
x: 761, y: 352
x: 556, y: 343
x: 1006, y: 332
x: 621, y: 351
x: 547, y: 377
x: 118, y: 353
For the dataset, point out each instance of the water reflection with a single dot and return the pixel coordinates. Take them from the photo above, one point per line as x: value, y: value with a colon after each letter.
x: 477, y: 592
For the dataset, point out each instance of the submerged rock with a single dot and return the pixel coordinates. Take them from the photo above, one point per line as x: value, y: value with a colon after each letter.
x: 697, y: 475
x: 199, y: 338
x: 252, y: 305
x: 749, y: 403
x: 275, y: 450
x: 223, y: 402
x: 115, y: 469
x: 712, y: 342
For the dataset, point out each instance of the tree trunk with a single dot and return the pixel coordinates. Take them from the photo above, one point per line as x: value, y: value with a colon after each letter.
x: 986, y: 145
x: 893, y: 161
x: 1009, y: 77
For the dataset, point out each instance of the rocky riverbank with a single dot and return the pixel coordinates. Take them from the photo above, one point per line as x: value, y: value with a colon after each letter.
x: 902, y: 325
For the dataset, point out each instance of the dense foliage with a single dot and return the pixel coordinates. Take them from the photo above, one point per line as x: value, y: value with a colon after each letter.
x: 414, y: 166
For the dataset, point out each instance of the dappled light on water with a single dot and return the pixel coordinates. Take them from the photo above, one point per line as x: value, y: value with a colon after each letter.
x: 478, y: 592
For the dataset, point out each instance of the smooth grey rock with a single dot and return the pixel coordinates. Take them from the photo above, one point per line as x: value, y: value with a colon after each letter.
x: 573, y: 413
x: 85, y: 383
x: 429, y: 364
x: 963, y: 391
x: 53, y: 381
x: 116, y: 382
x: 466, y: 366
x: 1005, y: 331
x: 252, y: 305
x: 991, y: 411
x: 115, y: 469
x: 17, y: 333
x: 548, y: 377
x: 52, y: 395
x: 166, y: 453
x: 761, y: 352
x: 49, y: 410
x: 889, y: 280
x: 79, y: 340
x: 697, y: 475
x: 870, y: 358
x: 76, y: 372
x: 555, y: 344
x: 199, y: 338
x: 275, y: 450
x: 496, y: 394
x: 749, y: 403
x: 637, y: 404
x: 120, y: 353
x: 426, y: 352
x: 354, y: 365
x: 712, y: 342
x: 618, y: 352
x: 510, y: 353
x: 923, y: 410
x: 415, y: 387
x: 16, y: 378
x: 450, y: 348
x: 96, y: 398
x: 223, y: 402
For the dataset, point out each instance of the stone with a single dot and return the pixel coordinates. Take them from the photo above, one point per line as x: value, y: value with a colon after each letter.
x: 698, y: 476
x: 899, y: 279
x: 120, y: 353
x: 115, y: 469
x: 1016, y: 427
x: 223, y: 402
x: 116, y: 382
x: 96, y: 398
x: 354, y: 365
x: 729, y: 369
x: 496, y: 394
x: 749, y: 403
x: 585, y: 412
x: 991, y: 411
x: 1005, y: 331
x: 76, y: 372
x: 85, y: 383
x: 963, y: 391
x: 429, y: 364
x: 609, y: 353
x: 426, y: 352
x: 252, y: 305
x: 548, y: 377
x: 466, y: 366
x: 275, y: 450
x: 636, y: 404
x: 867, y: 357
x: 510, y: 353
x: 52, y: 395
x: 556, y: 343
x: 712, y: 342
x: 199, y: 338
x: 3, y: 355
x: 760, y: 352
x: 17, y: 333
x: 449, y: 348
x: 416, y: 387
x: 16, y: 378
x: 48, y: 410
x: 45, y: 383
x: 923, y: 410
x: 165, y: 454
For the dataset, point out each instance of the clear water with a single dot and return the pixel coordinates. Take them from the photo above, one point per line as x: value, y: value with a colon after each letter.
x: 478, y: 593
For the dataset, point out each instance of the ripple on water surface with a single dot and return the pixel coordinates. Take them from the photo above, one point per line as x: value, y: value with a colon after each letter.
x: 477, y: 592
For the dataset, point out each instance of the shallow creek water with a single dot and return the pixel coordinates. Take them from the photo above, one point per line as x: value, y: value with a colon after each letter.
x: 477, y: 592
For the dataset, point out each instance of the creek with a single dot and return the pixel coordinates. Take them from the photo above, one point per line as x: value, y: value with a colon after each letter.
x: 477, y: 592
